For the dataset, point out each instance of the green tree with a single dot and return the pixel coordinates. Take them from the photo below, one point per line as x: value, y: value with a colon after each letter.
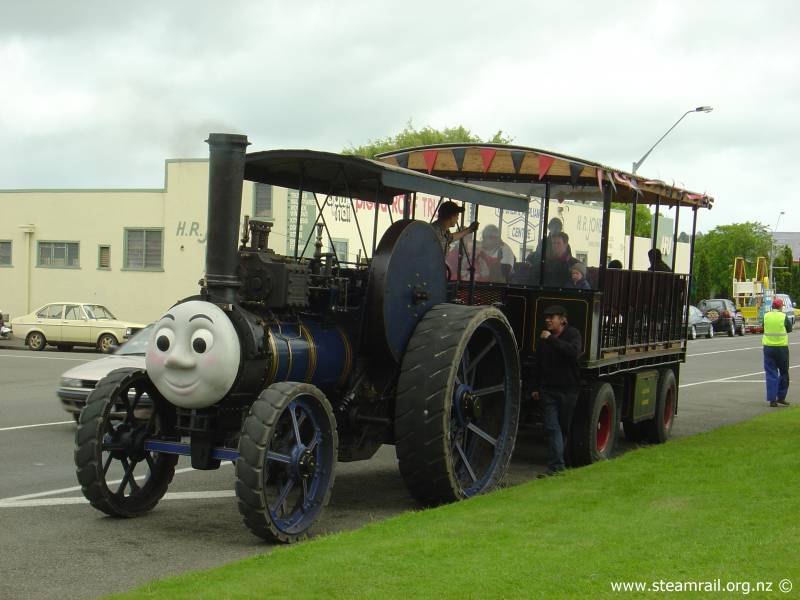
x: 410, y: 137
x: 644, y: 218
x: 715, y: 252
x: 787, y: 274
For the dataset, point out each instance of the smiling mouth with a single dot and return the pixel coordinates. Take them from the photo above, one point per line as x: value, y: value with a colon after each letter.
x: 182, y: 390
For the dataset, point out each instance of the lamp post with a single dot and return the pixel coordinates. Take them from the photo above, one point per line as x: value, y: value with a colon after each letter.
x: 772, y: 252
x: 638, y: 163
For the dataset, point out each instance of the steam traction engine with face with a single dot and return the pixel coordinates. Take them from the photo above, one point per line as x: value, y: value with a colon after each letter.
x: 286, y: 365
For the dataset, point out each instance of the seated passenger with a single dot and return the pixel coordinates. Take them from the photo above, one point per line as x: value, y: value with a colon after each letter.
x: 557, y: 266
x: 614, y: 264
x: 656, y: 264
x: 577, y: 273
x: 499, y: 255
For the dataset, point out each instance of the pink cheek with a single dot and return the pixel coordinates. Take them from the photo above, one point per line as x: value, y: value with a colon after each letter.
x: 155, y: 359
x: 209, y: 361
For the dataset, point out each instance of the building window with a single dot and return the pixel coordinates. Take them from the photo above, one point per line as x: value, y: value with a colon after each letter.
x: 144, y: 249
x: 61, y: 255
x: 340, y: 247
x: 262, y: 201
x: 5, y: 253
x: 104, y: 257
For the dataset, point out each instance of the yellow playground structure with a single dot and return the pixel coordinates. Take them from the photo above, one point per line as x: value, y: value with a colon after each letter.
x: 752, y: 295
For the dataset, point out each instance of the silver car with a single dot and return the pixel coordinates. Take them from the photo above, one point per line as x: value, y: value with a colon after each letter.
x: 78, y: 382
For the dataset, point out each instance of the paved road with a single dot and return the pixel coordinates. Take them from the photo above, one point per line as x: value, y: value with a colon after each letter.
x: 55, y: 546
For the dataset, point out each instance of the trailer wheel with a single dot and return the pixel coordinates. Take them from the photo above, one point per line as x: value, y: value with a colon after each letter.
x: 657, y: 429
x: 594, y: 428
x: 458, y: 402
x: 287, y: 461
x: 110, y: 456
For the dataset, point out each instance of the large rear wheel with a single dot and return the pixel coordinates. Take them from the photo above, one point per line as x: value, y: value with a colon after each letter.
x: 117, y: 474
x: 287, y: 461
x: 458, y: 402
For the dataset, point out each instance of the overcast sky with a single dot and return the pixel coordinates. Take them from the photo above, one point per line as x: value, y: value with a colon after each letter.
x: 99, y: 94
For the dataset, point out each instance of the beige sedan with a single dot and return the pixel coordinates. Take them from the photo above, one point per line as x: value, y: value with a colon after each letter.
x: 68, y: 324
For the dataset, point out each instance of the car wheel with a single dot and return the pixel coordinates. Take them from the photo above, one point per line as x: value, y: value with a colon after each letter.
x: 36, y: 341
x: 710, y: 333
x: 105, y: 343
x: 693, y: 333
x: 731, y: 329
x: 741, y: 328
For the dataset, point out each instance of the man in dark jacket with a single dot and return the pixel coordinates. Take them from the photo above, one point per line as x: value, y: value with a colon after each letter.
x: 656, y: 262
x: 559, y: 380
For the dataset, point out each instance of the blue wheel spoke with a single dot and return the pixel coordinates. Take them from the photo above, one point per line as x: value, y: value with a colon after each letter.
x: 492, y: 389
x: 108, y: 464
x: 295, y: 424
x: 481, y: 433
x: 305, y: 491
x: 278, y: 457
x: 282, y: 497
x: 481, y: 355
x: 315, y: 441
x: 466, y: 462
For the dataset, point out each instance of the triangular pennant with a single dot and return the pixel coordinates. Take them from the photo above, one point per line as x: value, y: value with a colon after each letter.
x: 599, y: 173
x: 545, y: 162
x: 458, y: 155
x: 430, y: 159
x: 611, y: 181
x: 487, y: 155
x: 517, y: 156
x: 402, y: 160
x: 574, y: 172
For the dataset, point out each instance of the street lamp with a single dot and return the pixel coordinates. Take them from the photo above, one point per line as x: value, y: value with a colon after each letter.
x: 638, y: 163
x: 772, y: 252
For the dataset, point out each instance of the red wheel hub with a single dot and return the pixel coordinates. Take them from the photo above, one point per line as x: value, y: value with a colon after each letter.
x: 603, y: 428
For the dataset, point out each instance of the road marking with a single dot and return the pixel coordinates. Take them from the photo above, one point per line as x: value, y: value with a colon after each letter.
x: 727, y: 379
x: 36, y: 425
x: 48, y: 357
x: 77, y: 488
x: 733, y: 350
x: 82, y: 500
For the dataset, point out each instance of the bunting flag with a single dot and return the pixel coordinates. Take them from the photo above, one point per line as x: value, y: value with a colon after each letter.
x: 430, y: 159
x: 458, y: 155
x: 517, y: 156
x: 402, y: 160
x: 600, y: 179
x: 574, y: 172
x: 487, y: 155
x: 545, y: 162
x: 611, y: 181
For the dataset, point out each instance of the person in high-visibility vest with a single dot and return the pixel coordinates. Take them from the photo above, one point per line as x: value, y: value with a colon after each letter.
x: 776, y: 353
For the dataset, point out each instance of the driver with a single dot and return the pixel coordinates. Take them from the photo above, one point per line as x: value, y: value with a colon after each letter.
x: 446, y: 218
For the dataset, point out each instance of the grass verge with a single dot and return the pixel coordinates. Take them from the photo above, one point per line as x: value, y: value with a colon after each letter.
x: 722, y: 505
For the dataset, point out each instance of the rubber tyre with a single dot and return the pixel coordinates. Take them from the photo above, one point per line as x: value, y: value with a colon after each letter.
x: 710, y: 333
x: 740, y: 331
x: 36, y: 341
x: 450, y: 443
x: 108, y: 418
x: 692, y: 332
x: 594, y: 427
x: 263, y: 433
x: 657, y: 429
x: 732, y: 328
x: 105, y: 343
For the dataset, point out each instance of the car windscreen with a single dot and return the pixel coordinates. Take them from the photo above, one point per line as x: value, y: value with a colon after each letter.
x: 96, y: 311
x: 137, y: 344
x: 715, y: 304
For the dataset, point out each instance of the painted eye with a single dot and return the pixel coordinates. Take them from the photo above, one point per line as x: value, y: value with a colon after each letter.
x: 164, y: 339
x: 202, y: 340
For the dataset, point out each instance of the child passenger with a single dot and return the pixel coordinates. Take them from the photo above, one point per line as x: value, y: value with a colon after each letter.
x: 577, y: 273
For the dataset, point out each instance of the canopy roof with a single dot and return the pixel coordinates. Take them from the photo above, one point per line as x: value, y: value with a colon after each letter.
x: 356, y: 177
x: 517, y: 164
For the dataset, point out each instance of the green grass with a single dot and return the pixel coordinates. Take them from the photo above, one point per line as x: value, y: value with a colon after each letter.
x: 723, y: 504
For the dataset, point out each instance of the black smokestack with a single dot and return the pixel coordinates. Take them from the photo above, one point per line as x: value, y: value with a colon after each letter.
x: 225, y: 179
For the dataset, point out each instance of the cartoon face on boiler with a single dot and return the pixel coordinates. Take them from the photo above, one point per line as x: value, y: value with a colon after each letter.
x: 193, y: 356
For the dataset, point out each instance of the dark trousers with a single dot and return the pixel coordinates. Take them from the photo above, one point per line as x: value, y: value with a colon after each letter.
x: 776, y: 369
x: 558, y: 405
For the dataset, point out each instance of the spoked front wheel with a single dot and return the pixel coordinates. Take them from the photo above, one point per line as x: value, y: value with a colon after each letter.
x: 117, y: 474
x: 458, y: 402
x: 287, y: 461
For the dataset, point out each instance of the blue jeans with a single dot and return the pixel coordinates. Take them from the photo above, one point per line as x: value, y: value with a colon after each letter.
x: 558, y: 405
x: 776, y: 369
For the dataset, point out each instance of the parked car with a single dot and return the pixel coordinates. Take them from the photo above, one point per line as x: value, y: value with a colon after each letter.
x: 788, y: 307
x: 723, y: 315
x: 68, y: 324
x: 699, y: 324
x: 77, y: 383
